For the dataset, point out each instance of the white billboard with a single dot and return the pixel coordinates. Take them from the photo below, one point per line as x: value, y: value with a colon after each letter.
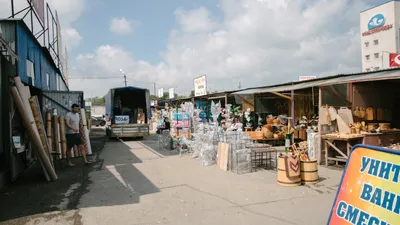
x: 171, y: 93
x: 38, y: 5
x: 200, y: 86
x: 161, y: 92
x: 303, y: 78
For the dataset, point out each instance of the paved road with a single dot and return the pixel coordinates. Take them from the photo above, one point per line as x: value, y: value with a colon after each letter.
x: 132, y: 184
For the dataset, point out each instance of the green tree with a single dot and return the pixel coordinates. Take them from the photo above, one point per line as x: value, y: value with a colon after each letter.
x: 98, y: 100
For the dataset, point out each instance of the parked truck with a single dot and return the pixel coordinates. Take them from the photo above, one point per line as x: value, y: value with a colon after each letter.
x: 128, y: 111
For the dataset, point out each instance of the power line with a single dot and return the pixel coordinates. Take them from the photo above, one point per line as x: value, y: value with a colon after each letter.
x: 91, y: 78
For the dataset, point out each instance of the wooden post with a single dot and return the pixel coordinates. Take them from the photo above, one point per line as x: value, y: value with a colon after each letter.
x: 319, y: 127
x: 351, y: 93
x: 226, y: 99
x: 292, y: 113
x: 292, y: 110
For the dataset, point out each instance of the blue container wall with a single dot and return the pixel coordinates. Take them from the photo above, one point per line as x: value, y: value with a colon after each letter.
x: 29, y: 49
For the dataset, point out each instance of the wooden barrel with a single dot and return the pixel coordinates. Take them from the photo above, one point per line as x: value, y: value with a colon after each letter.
x: 309, y: 171
x: 283, y: 180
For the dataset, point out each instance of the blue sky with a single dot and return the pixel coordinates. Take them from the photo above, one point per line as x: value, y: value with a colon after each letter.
x: 150, y: 37
x: 254, y: 42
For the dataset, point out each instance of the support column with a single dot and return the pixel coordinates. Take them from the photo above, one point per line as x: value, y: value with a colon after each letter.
x: 319, y: 127
x: 292, y: 112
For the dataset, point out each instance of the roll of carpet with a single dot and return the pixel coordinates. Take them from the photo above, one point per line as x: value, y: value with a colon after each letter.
x: 63, y: 138
x: 37, y: 115
x: 30, y: 126
x: 83, y: 135
x: 49, y: 131
x: 86, y: 130
x: 57, y: 138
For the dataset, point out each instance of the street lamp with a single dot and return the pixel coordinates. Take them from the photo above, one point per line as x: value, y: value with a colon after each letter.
x: 124, y: 77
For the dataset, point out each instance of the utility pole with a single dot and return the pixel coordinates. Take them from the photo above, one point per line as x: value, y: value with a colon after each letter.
x: 155, y: 94
x: 126, y: 83
x: 240, y: 85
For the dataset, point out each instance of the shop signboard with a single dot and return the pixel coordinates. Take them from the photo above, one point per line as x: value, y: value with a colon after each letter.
x: 369, y: 190
x: 200, y: 86
x: 394, y: 60
x: 303, y: 78
x: 171, y: 93
x: 121, y: 119
x: 377, y: 24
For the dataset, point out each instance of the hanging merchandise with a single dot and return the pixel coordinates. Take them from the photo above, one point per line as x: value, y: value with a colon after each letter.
x: 362, y: 113
x: 332, y: 113
x: 342, y: 125
x: 346, y: 115
x: 328, y: 116
x: 357, y: 112
x: 322, y: 115
x: 370, y: 114
x: 380, y: 114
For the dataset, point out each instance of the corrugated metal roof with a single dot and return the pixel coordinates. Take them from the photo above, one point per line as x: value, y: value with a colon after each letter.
x: 388, y: 74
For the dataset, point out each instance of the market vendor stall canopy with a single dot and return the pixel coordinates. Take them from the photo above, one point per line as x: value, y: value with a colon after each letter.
x: 389, y: 74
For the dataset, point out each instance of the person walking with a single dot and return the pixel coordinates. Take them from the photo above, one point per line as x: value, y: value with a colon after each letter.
x: 72, y: 133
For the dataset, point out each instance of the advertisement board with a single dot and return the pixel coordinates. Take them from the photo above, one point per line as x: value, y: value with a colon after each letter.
x: 369, y: 190
x: 200, y: 86
x: 377, y: 24
x: 171, y: 93
x: 394, y: 60
x: 38, y: 5
x: 161, y: 92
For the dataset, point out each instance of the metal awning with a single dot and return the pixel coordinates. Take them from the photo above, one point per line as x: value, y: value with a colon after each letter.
x: 391, y: 74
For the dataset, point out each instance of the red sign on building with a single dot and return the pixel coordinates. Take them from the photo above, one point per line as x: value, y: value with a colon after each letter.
x: 394, y: 60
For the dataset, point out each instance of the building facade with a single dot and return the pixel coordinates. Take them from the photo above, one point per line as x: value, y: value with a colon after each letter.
x: 380, y: 28
x: 35, y: 66
x: 33, y: 63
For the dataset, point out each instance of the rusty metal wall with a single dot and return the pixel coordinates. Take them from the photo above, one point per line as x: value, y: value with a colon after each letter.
x: 61, y: 100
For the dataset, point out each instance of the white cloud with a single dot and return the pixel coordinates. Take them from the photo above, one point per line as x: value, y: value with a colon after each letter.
x: 71, y: 37
x: 120, y: 25
x: 197, y: 20
x: 256, y: 42
x: 68, y: 12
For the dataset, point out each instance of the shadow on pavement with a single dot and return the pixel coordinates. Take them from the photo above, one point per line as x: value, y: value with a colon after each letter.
x: 152, y: 143
x: 116, y: 181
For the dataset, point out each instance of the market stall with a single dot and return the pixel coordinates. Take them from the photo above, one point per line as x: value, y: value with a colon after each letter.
x: 280, y: 111
x: 358, y: 112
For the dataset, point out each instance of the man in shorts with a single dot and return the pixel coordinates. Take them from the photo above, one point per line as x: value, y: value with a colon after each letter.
x: 74, y: 138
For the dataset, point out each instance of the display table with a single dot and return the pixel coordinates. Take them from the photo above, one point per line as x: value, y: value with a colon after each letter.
x: 331, y: 142
x: 271, y: 141
x: 383, y: 139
